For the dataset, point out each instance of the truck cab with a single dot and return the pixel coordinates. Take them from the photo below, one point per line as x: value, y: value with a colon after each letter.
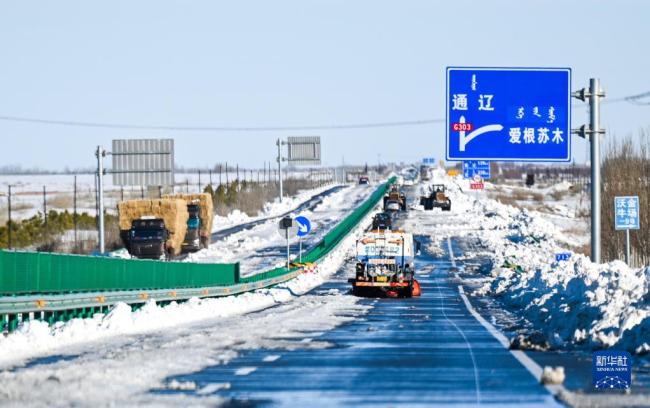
x: 147, y: 238
x: 192, y: 242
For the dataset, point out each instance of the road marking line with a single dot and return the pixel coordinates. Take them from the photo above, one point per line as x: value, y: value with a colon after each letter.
x: 528, y: 363
x: 469, y: 347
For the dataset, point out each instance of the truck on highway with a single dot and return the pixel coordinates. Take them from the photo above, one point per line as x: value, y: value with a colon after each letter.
x: 385, y: 265
x: 153, y: 229
x: 199, y: 222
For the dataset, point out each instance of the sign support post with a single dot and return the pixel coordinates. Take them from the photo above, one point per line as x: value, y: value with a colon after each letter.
x: 286, y: 231
x: 100, y: 153
x: 627, y: 247
x: 593, y: 132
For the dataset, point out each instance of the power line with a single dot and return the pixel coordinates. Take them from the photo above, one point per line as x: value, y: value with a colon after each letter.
x: 633, y: 99
x: 219, y: 128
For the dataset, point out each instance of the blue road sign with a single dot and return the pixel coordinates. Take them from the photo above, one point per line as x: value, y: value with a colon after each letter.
x: 509, y: 114
x: 473, y: 168
x: 611, y: 369
x: 562, y: 256
x: 429, y: 160
x: 627, y: 212
x: 304, y: 226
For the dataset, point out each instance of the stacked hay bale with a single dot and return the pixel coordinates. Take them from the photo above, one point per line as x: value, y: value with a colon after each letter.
x: 206, y: 214
x: 172, y: 211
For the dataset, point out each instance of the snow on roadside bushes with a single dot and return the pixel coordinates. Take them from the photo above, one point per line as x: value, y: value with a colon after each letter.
x: 569, y: 303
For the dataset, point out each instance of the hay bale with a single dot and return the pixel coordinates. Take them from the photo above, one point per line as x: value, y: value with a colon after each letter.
x: 172, y: 211
x: 206, y: 213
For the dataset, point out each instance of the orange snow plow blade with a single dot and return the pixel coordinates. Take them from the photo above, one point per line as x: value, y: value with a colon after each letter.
x: 417, y: 291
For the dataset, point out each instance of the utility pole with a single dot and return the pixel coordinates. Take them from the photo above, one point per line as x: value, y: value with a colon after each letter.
x: 45, y: 209
x: 100, y: 153
x: 9, y: 222
x: 592, y: 133
x: 279, y: 144
x: 74, y: 210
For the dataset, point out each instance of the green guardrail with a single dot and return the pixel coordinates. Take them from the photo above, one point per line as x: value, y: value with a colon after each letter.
x: 34, y: 272
x: 55, y: 287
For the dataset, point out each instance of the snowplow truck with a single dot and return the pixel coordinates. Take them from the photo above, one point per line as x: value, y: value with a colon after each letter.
x: 395, y: 200
x: 385, y: 265
x: 199, y: 222
x: 436, y: 198
x: 153, y: 229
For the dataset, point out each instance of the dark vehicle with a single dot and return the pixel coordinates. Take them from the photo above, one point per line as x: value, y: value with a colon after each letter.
x: 436, y: 198
x: 147, y: 239
x: 364, y: 180
x: 530, y: 180
x: 382, y: 221
x: 192, y: 242
x: 424, y: 172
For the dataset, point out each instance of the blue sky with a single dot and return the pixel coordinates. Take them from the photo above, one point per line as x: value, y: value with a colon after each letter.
x: 275, y: 63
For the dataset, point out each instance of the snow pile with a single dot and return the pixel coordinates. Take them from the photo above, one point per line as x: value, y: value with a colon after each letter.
x: 568, y: 303
x: 235, y: 217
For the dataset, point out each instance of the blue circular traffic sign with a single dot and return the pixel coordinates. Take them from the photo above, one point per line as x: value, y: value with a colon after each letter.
x: 303, y: 224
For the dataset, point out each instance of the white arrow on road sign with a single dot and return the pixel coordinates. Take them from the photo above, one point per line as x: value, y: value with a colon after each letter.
x: 304, y: 225
x: 477, y: 132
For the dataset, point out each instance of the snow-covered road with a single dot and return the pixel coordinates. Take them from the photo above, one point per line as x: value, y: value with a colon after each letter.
x: 262, y: 247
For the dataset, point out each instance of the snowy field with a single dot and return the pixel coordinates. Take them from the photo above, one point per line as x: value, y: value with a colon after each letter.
x: 27, y: 190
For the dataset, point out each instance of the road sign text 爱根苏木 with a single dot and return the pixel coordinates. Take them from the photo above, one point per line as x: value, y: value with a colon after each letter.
x: 626, y: 211
x: 508, y: 114
x: 473, y: 168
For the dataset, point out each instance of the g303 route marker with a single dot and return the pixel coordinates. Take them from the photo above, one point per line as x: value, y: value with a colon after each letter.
x: 508, y: 114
